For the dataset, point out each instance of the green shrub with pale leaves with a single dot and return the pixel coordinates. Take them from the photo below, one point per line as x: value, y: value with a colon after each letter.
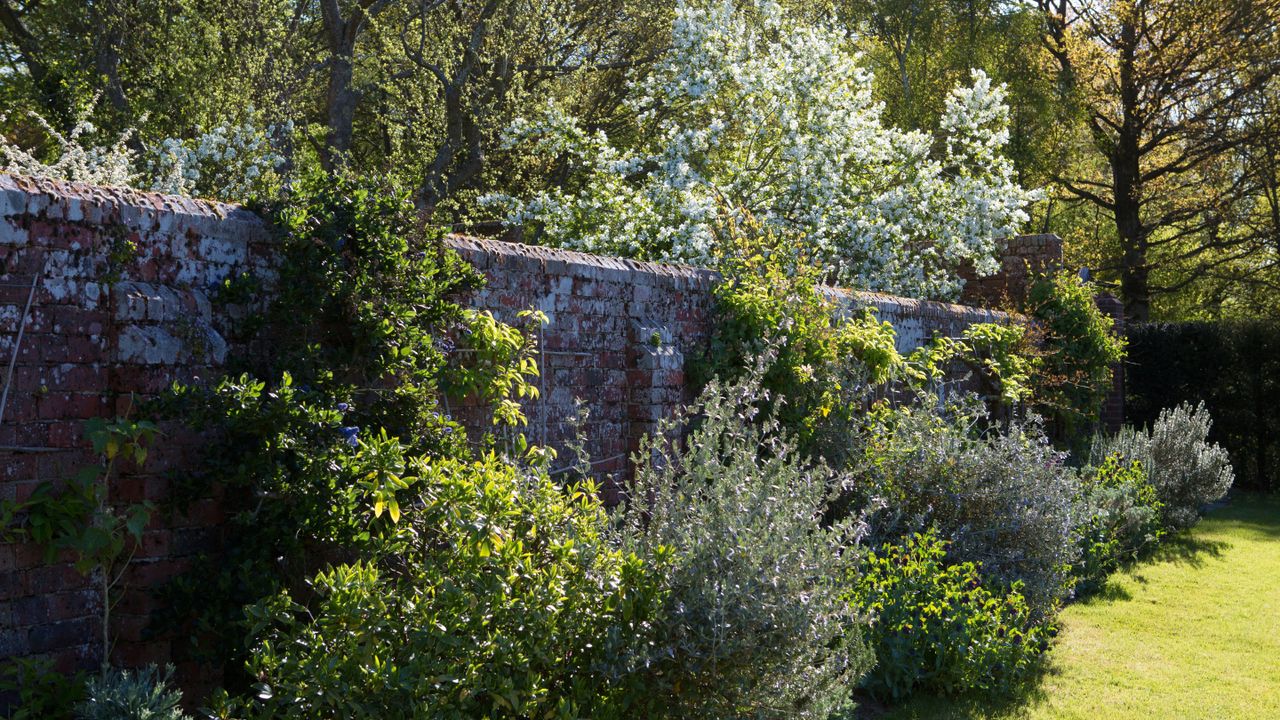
x: 132, y: 695
x: 1188, y: 471
x: 1003, y: 500
x: 1121, y: 517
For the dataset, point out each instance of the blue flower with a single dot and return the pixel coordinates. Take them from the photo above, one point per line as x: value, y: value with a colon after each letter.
x: 343, y: 407
x: 351, y: 435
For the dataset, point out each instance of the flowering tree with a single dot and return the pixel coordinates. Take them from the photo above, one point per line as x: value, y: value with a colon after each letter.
x: 751, y: 109
x: 227, y: 163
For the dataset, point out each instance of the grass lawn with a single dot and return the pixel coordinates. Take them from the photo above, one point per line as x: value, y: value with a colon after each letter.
x: 1191, y: 633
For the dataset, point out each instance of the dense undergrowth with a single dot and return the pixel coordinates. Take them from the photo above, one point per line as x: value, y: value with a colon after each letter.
x: 831, y: 517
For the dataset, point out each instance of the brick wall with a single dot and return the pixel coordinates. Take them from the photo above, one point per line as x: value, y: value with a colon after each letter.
x: 619, y: 332
x: 117, y: 283
x: 1021, y: 258
x: 107, y: 323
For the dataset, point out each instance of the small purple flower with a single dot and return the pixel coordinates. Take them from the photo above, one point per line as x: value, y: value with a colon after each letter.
x: 350, y: 434
x: 343, y: 407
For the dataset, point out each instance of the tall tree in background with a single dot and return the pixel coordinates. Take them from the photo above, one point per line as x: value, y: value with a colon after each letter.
x: 919, y: 49
x: 417, y: 88
x: 1171, y: 89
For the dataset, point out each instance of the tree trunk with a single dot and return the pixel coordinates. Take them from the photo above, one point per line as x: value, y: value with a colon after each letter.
x: 1126, y: 179
x: 341, y: 101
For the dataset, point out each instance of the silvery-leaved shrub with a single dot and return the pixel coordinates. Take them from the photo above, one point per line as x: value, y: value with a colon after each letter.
x: 754, y: 622
x: 1187, y: 470
x: 1003, y: 500
x: 132, y: 695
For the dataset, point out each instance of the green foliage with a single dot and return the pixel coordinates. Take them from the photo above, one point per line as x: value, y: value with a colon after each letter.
x: 753, y: 622
x: 1078, y: 347
x: 772, y: 299
x: 1002, y: 500
x: 77, y: 516
x: 365, y: 292
x: 41, y: 692
x: 500, y: 366
x: 1122, y: 517
x: 1001, y: 356
x: 132, y: 695
x: 936, y: 626
x: 500, y: 596
x: 312, y: 445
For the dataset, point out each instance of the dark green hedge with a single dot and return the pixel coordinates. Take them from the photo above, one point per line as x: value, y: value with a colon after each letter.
x: 1234, y: 367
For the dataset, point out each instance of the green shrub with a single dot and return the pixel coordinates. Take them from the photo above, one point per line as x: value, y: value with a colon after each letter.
x: 1187, y: 471
x: 754, y: 623
x: 1078, y: 347
x: 935, y: 626
x: 37, y: 691
x: 498, y: 596
x: 1121, y: 517
x: 131, y: 695
x: 772, y: 302
x: 1002, y: 500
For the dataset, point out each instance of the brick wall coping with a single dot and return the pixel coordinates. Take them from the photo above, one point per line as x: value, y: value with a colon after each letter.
x: 559, y: 260
x: 92, y: 204
x: 141, y: 210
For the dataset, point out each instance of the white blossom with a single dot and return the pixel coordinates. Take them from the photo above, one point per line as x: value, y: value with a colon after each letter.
x: 754, y: 110
x: 227, y: 163
x: 109, y: 165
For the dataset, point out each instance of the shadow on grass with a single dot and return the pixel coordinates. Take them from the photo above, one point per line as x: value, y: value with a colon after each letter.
x: 972, y: 706
x: 1110, y: 592
x: 1187, y: 549
x: 1254, y: 513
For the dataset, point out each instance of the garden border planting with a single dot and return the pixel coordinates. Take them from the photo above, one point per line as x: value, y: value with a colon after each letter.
x: 126, y: 295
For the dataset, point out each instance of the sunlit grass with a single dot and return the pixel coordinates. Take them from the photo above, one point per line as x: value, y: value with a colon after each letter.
x: 1192, y: 633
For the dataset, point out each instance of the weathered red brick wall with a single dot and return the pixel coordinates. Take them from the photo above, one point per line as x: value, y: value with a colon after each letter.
x: 618, y: 335
x: 108, y: 322
x: 1022, y: 258
x: 118, y: 284
x: 1113, y: 406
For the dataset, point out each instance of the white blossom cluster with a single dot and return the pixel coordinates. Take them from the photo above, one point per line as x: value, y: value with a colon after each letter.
x: 750, y: 109
x: 229, y: 162
x: 77, y: 161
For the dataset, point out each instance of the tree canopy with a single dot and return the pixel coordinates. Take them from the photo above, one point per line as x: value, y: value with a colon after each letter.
x: 1146, y: 128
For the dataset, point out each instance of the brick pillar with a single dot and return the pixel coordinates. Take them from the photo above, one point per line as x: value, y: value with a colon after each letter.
x: 1021, y: 258
x: 1113, y: 407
